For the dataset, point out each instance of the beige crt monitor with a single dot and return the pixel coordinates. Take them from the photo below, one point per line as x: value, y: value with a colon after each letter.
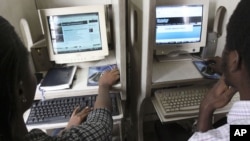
x: 180, y: 27
x: 75, y: 34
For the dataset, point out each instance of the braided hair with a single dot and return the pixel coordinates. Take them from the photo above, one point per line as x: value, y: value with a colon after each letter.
x: 13, y: 56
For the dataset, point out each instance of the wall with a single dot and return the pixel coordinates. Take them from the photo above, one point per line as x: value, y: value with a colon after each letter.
x: 14, y: 10
x: 230, y: 6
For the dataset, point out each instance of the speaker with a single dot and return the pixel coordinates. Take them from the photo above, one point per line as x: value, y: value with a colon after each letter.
x: 40, y: 56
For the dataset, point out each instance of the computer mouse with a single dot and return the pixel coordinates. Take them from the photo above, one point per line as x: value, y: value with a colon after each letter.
x: 209, y: 62
x: 207, y: 70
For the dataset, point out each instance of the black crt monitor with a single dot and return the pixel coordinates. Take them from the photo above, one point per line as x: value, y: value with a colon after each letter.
x: 180, y: 28
x: 75, y: 34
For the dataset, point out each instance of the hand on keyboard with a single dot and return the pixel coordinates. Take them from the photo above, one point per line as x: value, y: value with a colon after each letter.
x: 78, y: 116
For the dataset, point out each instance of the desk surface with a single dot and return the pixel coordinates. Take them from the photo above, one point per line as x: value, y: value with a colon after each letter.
x: 174, y: 71
x: 79, y: 88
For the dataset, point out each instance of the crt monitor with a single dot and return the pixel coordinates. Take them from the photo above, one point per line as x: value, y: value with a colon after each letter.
x: 75, y: 34
x: 180, y: 27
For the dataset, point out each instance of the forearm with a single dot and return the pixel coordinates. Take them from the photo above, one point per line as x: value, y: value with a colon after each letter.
x: 97, y: 127
x: 205, y: 119
x: 103, y: 99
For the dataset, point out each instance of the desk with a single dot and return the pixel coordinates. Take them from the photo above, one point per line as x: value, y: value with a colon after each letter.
x: 162, y: 75
x: 176, y: 73
x: 116, y: 17
x: 79, y: 88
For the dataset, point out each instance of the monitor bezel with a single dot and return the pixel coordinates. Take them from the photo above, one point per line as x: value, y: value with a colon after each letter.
x: 86, y: 55
x: 164, y: 49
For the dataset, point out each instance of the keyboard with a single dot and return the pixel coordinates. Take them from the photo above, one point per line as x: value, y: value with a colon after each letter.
x: 180, y: 101
x: 185, y: 101
x: 60, y: 109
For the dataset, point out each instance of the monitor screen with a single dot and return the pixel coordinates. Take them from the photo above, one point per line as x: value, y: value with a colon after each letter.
x: 178, y: 24
x: 75, y: 34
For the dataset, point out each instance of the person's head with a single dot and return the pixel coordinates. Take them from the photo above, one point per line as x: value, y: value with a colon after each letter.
x: 236, y: 54
x: 17, y: 83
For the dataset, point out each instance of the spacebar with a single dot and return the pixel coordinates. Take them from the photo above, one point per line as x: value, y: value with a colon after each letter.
x: 193, y: 112
x: 55, y: 119
x: 189, y: 108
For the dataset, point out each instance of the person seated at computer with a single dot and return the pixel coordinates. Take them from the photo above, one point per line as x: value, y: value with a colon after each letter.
x: 18, y: 85
x: 236, y: 77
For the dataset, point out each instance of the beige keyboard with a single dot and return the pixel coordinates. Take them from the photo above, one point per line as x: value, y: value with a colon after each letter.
x: 185, y: 101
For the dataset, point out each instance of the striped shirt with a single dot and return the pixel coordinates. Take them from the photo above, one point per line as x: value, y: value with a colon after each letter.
x: 239, y: 114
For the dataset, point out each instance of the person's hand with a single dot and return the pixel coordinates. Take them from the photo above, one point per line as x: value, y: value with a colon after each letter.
x: 78, y: 117
x: 219, y: 96
x: 215, y: 65
x: 109, y: 78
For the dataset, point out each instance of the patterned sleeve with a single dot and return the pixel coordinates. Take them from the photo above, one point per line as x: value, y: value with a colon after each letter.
x: 97, y: 127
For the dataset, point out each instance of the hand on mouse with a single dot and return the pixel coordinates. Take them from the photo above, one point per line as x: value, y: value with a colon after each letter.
x: 215, y: 64
x: 207, y: 70
x: 109, y: 78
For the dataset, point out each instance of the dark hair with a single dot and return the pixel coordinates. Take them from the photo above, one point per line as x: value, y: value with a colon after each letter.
x: 238, y: 32
x: 13, y: 56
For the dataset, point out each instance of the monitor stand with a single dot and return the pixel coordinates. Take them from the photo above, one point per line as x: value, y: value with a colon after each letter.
x: 174, y: 56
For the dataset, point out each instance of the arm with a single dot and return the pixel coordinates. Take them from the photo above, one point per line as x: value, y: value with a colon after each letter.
x: 102, y: 101
x: 98, y: 125
x: 217, y: 97
x: 105, y: 83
